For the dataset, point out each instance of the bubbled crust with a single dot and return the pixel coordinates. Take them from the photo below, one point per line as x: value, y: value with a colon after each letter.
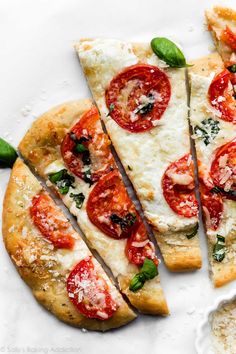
x: 225, y: 271
x: 41, y: 146
x: 179, y: 253
x: 217, y: 18
x: 49, y: 291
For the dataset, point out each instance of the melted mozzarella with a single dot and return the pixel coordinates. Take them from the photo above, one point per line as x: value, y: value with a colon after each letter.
x: 200, y: 110
x: 149, y: 153
x: 115, y: 259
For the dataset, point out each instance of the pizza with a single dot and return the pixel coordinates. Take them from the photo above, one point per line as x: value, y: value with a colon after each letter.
x: 68, y: 148
x: 53, y: 259
x: 143, y: 103
x: 222, y: 25
x: 213, y: 118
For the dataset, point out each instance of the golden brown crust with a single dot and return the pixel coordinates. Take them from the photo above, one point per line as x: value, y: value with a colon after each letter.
x: 26, y: 251
x: 188, y: 256
x: 218, y: 18
x: 206, y: 65
x: 96, y: 73
x: 41, y: 146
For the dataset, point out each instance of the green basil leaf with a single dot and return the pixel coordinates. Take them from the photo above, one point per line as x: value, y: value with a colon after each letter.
x: 217, y: 189
x: 194, y: 232
x: 149, y: 269
x: 208, y: 130
x: 63, y: 180
x: 232, y: 68
x: 124, y: 222
x: 219, y: 249
x: 80, y: 148
x: 169, y: 52
x: 78, y: 198
x: 137, y: 282
x: 8, y: 154
x: 88, y: 177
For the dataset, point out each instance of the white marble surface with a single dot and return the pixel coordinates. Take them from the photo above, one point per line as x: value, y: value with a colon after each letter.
x: 39, y: 69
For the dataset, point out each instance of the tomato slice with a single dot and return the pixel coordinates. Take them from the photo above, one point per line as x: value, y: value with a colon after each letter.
x: 50, y: 223
x: 87, y: 148
x: 221, y: 96
x: 89, y: 292
x: 138, y: 96
x: 212, y: 204
x: 229, y: 37
x: 223, y: 169
x: 227, y: 64
x: 178, y: 187
x: 110, y: 208
x: 139, y: 247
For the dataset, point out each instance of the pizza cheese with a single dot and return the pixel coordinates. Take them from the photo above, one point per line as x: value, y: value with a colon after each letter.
x: 68, y: 148
x: 143, y: 104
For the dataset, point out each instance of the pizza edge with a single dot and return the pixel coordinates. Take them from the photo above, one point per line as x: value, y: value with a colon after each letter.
x: 53, y: 299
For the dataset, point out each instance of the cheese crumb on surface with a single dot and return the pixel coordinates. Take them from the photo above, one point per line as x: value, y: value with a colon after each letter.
x: 223, y: 327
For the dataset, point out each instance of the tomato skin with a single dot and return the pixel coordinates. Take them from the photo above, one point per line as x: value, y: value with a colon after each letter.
x: 229, y: 37
x: 89, y: 304
x: 213, y: 202
x: 228, y: 149
x: 219, y: 87
x: 44, y: 216
x: 109, y: 197
x: 148, y: 78
x: 137, y: 255
x: 96, y: 143
x: 232, y: 75
x: 181, y: 199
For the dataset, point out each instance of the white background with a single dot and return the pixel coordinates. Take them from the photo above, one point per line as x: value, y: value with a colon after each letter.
x: 39, y: 69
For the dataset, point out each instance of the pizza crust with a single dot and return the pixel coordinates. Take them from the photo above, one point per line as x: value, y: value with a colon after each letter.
x: 41, y: 147
x: 217, y: 18
x: 100, y: 65
x: 26, y: 247
x: 201, y: 75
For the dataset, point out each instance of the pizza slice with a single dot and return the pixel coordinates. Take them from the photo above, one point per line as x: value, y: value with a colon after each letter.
x: 213, y: 113
x: 143, y: 104
x: 69, y: 149
x: 53, y: 259
x: 222, y: 24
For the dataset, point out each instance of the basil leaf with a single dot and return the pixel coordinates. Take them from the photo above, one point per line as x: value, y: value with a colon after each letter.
x: 137, y: 282
x: 169, y: 52
x: 63, y: 180
x: 208, y: 130
x: 80, y: 148
x: 147, y: 106
x: 148, y: 271
x: 125, y: 222
x: 219, y: 249
x: 130, y: 168
x: 111, y: 108
x: 8, y: 154
x: 218, y: 189
x: 232, y: 68
x: 78, y: 198
x: 87, y: 177
x: 194, y: 232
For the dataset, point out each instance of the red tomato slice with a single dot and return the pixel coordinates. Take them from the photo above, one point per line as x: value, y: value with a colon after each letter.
x: 178, y: 187
x: 221, y: 96
x: 139, y: 247
x: 110, y: 208
x: 223, y: 169
x: 212, y: 204
x: 89, y: 292
x: 229, y: 37
x: 48, y: 219
x: 138, y: 96
x: 97, y: 157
